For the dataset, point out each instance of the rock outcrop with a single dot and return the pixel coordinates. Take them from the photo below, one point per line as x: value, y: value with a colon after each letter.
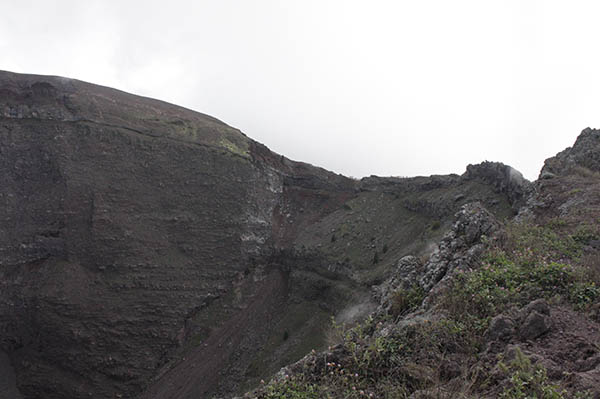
x: 460, y: 248
x: 504, y: 179
x: 585, y: 154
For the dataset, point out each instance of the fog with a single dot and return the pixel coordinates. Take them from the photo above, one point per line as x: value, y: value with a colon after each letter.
x: 379, y: 87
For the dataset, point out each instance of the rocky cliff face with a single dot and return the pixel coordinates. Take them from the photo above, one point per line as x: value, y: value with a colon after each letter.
x: 124, y: 221
x: 149, y: 250
x: 583, y: 155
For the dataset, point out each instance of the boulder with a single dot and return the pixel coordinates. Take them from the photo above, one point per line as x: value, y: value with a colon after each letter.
x: 501, y: 328
x: 534, y: 326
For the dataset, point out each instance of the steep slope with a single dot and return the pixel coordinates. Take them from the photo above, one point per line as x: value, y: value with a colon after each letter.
x: 123, y: 218
x: 502, y: 308
x: 146, y: 249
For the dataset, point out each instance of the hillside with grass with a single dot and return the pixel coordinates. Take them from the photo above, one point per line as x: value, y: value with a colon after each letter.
x: 503, y: 308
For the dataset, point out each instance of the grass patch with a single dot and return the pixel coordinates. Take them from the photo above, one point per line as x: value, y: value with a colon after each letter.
x: 292, y: 388
x: 542, y: 243
x: 531, y: 381
x: 534, y: 262
x: 373, y: 366
x: 406, y: 300
x: 501, y: 282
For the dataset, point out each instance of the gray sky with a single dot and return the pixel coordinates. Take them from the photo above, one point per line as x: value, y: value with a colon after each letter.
x: 398, y: 88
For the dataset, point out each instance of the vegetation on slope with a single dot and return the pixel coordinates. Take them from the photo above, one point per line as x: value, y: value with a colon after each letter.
x: 446, y: 353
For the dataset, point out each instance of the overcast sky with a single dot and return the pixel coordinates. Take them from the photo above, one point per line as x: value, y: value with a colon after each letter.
x: 398, y: 88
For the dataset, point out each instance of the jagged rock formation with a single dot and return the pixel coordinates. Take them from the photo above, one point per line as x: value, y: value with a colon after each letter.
x: 567, y: 187
x: 462, y: 246
x: 458, y: 251
x: 504, y: 179
x: 147, y: 250
x: 583, y: 154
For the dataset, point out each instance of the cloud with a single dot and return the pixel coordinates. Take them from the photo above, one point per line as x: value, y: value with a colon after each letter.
x: 384, y: 87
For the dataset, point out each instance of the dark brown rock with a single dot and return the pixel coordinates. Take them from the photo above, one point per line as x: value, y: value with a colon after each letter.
x: 539, y: 305
x: 501, y: 328
x: 534, y: 325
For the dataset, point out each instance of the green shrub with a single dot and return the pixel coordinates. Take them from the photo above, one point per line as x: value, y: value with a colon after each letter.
x: 292, y: 388
x: 584, y: 234
x: 531, y: 381
x: 406, y: 300
x: 584, y: 293
x: 528, y: 381
x: 479, y: 295
x: 542, y: 242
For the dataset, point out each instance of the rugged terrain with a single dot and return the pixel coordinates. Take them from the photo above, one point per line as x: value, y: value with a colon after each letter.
x: 150, y: 251
x: 502, y: 308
